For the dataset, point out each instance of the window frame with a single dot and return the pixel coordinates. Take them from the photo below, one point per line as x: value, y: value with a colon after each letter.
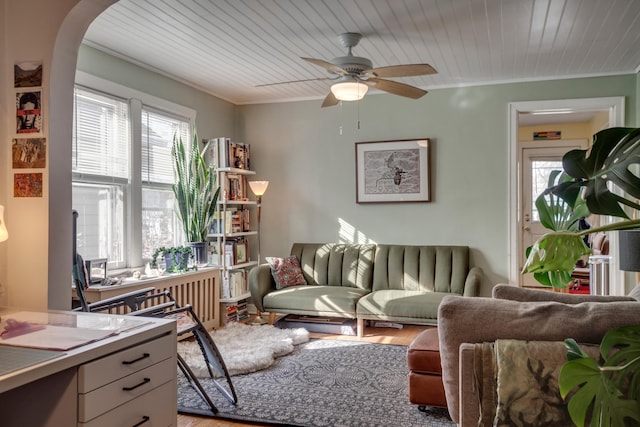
x: 137, y: 101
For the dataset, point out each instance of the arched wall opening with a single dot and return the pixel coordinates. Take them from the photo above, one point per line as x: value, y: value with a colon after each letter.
x: 63, y: 69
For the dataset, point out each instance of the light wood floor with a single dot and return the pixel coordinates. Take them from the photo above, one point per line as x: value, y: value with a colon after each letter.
x: 375, y: 335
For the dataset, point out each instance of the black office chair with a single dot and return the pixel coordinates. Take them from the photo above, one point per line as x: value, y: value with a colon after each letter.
x: 147, y: 302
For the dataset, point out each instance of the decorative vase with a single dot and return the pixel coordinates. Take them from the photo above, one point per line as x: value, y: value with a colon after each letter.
x: 200, y: 253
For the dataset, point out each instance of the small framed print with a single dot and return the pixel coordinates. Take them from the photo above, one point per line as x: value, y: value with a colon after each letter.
x: 241, y: 253
x: 393, y: 171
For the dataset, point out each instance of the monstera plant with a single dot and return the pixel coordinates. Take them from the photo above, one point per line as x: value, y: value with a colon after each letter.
x: 608, y: 393
x: 603, y: 181
x: 607, y: 179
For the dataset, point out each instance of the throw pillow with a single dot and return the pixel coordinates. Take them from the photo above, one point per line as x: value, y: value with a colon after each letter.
x: 286, y: 271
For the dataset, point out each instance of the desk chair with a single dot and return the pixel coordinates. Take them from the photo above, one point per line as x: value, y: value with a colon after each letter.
x: 147, y: 302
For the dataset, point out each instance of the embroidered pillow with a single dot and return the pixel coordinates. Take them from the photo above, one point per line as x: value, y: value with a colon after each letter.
x: 286, y: 271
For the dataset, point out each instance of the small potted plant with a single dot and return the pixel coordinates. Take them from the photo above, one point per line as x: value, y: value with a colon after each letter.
x: 176, y: 259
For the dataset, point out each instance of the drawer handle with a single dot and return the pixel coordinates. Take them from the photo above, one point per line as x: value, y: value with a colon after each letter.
x: 131, y: 362
x: 144, y: 381
x: 144, y: 420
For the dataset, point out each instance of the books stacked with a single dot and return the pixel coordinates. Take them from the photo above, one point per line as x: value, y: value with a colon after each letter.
x: 230, y: 221
x: 235, y: 312
x: 224, y: 153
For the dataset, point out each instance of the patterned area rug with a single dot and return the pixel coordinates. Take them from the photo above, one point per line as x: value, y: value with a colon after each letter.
x: 322, y: 383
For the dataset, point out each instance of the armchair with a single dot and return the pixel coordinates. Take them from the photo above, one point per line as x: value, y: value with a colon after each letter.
x: 518, y: 314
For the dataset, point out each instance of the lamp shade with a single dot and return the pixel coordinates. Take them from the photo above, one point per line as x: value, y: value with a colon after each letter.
x: 258, y: 187
x: 4, y: 234
x: 629, y: 248
x: 350, y: 90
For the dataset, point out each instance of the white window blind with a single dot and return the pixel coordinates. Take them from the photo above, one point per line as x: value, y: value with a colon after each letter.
x: 158, y: 130
x: 101, y: 135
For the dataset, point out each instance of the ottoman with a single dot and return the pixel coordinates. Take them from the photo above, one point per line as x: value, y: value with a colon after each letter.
x: 425, y: 372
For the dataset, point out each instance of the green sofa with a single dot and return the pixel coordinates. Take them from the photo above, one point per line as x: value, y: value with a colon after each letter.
x: 395, y: 283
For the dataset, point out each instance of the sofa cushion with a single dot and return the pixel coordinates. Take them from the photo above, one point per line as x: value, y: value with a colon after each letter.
x: 315, y: 300
x: 516, y: 293
x: 286, y: 271
x: 421, y: 268
x: 336, y: 264
x: 399, y: 305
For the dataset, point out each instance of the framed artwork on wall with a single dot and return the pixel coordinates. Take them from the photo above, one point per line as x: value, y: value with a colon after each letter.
x: 393, y: 171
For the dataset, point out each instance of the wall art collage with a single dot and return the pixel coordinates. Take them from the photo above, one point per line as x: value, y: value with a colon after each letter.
x: 29, y: 147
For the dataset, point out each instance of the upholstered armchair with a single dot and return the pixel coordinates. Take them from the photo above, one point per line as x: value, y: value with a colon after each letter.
x: 515, y: 313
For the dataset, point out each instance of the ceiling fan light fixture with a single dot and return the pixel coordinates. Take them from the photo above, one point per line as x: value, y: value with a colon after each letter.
x: 349, y: 90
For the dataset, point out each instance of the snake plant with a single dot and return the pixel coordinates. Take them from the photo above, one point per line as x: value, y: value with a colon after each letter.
x: 195, y: 190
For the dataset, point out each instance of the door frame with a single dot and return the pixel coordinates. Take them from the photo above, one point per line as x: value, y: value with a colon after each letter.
x: 616, y: 107
x: 537, y: 150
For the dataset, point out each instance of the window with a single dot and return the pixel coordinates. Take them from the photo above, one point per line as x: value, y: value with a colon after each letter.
x: 160, y: 226
x: 100, y: 174
x: 122, y: 178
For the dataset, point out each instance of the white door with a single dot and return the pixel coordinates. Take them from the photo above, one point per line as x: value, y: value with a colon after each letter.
x: 537, y: 164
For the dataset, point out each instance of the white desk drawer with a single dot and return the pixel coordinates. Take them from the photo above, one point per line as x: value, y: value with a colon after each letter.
x: 114, y: 394
x: 156, y: 408
x: 118, y: 365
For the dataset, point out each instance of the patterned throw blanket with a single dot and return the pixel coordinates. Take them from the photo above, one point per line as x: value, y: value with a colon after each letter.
x: 519, y: 383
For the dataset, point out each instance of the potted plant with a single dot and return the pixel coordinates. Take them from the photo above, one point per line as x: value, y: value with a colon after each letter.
x: 176, y: 258
x: 606, y: 392
x: 196, y: 194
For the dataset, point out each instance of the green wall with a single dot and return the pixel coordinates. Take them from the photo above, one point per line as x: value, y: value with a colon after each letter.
x: 215, y: 117
x: 311, y: 167
x: 308, y: 155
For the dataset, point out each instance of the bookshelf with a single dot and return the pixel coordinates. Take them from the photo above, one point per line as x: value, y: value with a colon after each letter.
x: 232, y: 233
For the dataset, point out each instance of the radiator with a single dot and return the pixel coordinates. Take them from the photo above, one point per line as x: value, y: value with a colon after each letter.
x: 200, y: 289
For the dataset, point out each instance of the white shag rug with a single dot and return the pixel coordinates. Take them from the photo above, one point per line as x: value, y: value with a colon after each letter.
x: 245, y: 348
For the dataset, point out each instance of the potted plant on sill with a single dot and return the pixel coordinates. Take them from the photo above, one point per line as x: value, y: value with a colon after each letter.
x: 196, y: 194
x: 605, y: 392
x: 176, y: 258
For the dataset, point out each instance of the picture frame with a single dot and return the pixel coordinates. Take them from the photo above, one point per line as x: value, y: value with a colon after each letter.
x: 393, y: 171
x: 241, y: 253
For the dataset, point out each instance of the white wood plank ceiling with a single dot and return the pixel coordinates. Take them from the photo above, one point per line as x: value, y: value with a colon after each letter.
x: 228, y: 47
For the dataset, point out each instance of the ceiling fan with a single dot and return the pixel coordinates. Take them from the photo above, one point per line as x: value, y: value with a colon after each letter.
x: 354, y: 75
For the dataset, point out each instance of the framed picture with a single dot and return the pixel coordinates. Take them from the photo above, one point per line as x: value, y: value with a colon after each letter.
x: 393, y: 171
x: 241, y: 253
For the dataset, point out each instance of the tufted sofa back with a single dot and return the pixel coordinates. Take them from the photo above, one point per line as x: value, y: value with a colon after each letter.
x: 421, y: 268
x: 336, y: 264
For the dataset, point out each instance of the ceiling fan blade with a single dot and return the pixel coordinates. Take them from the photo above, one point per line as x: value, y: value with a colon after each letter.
x: 293, y: 81
x: 406, y: 70
x: 328, y: 65
x: 396, y: 88
x: 330, y: 100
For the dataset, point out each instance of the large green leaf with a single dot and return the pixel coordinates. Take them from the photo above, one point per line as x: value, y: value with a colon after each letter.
x: 556, y: 213
x: 612, y: 159
x: 601, y: 395
x: 621, y: 347
x: 555, y: 255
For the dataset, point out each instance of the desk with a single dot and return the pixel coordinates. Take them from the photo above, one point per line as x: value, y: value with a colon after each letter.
x: 86, y: 385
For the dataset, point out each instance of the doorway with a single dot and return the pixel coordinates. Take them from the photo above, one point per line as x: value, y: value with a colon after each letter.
x: 615, y: 108
x: 537, y: 162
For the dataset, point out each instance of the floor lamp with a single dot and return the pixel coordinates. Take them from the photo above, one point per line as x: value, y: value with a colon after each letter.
x: 259, y: 188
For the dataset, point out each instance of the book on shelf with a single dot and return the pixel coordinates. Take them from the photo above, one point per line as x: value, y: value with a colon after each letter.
x: 224, y: 153
x: 235, y: 186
